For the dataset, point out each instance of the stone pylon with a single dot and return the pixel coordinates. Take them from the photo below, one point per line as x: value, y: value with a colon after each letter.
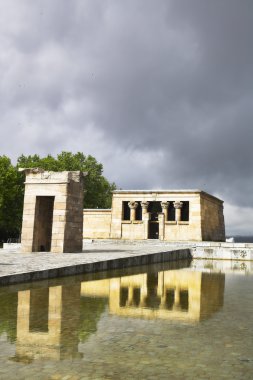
x: 53, y: 211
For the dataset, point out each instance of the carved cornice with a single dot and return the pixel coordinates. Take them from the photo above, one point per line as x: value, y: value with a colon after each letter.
x: 31, y: 170
x: 38, y: 175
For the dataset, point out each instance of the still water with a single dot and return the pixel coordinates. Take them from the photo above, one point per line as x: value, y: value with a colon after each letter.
x: 185, y: 320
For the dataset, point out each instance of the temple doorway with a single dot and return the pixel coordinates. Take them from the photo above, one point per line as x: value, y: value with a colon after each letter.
x: 43, y: 224
x: 154, y: 208
x: 153, y: 230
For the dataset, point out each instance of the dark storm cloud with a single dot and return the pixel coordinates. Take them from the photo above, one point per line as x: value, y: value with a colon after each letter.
x: 160, y: 91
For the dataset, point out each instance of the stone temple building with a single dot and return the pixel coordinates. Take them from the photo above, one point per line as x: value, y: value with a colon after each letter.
x: 167, y: 215
x: 54, y: 219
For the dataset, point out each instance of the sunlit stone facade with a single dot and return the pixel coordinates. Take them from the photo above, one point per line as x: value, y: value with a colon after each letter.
x: 172, y: 215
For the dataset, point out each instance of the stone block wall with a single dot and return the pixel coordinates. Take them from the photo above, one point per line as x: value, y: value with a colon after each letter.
x: 133, y: 231
x: 96, y: 223
x: 73, y: 239
x: 212, y: 218
x: 117, y: 214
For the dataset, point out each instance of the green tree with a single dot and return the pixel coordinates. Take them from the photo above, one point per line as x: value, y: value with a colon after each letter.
x: 11, y: 199
x: 97, y: 188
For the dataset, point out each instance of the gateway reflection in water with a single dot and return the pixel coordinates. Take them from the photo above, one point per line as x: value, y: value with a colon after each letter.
x: 47, y: 323
x: 52, y: 321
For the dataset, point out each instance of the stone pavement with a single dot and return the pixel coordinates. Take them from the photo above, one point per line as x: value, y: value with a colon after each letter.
x: 21, y: 267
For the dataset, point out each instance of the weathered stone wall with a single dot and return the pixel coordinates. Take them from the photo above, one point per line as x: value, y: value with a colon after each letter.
x: 117, y: 213
x: 96, y: 224
x: 73, y: 238
x: 186, y: 230
x: 212, y: 219
x: 66, y: 189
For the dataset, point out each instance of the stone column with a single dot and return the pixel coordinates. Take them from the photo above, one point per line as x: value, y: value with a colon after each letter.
x: 178, y: 206
x: 161, y: 226
x: 162, y: 218
x: 133, y: 206
x: 145, y: 217
x: 144, y: 206
x: 165, y: 206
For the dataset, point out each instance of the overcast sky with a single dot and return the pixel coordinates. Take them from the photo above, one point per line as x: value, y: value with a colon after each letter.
x: 159, y: 91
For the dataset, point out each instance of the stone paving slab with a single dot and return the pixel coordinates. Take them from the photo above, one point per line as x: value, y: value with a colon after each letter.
x: 22, y: 267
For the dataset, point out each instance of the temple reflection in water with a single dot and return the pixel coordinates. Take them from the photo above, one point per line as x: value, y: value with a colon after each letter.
x: 52, y: 321
x: 174, y: 295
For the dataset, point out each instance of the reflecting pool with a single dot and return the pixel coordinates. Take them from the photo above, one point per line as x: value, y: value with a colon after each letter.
x: 183, y: 320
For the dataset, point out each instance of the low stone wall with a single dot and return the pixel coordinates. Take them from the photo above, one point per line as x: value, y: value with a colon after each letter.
x: 239, y: 267
x: 223, y: 251
x: 11, y: 246
x: 199, y: 250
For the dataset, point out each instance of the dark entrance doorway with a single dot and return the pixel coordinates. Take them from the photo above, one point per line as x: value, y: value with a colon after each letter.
x: 43, y: 224
x: 154, y: 208
x: 153, y: 230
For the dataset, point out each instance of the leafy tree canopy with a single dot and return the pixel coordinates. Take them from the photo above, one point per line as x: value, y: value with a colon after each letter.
x: 11, y: 199
x: 97, y: 188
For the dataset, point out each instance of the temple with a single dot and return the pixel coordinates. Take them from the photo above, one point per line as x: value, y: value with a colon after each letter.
x: 167, y: 215
x: 54, y: 219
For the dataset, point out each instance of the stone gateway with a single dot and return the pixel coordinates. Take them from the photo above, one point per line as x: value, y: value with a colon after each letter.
x: 53, y: 211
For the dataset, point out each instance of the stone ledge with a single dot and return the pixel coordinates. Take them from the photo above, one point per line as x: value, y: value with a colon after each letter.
x: 93, y: 264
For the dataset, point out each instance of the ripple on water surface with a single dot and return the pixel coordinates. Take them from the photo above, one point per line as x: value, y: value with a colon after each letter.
x: 179, y: 320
